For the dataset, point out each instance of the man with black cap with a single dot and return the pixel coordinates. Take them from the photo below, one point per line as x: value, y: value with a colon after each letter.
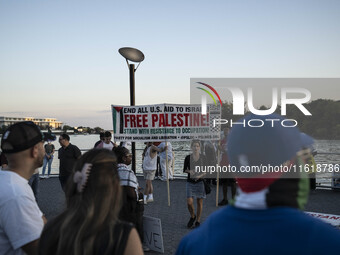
x: 21, y: 220
x: 266, y: 216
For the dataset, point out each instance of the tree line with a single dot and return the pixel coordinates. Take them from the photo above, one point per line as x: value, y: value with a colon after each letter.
x: 65, y: 128
x: 81, y: 129
x: 324, y: 123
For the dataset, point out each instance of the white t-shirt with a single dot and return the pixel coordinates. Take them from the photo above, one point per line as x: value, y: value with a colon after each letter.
x: 20, y: 217
x: 108, y: 146
x: 149, y: 164
x: 163, y: 153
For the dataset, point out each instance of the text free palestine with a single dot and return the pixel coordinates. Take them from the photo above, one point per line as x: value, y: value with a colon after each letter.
x: 166, y: 120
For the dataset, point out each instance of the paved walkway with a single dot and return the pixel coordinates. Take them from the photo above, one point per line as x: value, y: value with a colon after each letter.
x: 175, y: 217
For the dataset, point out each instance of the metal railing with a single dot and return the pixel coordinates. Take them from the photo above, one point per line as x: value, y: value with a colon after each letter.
x: 322, y: 181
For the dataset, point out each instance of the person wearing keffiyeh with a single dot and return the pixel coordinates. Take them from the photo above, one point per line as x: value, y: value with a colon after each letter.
x: 128, y: 178
x: 132, y: 208
x: 266, y: 216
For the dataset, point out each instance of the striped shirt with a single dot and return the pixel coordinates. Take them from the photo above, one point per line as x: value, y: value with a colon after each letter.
x: 127, y: 177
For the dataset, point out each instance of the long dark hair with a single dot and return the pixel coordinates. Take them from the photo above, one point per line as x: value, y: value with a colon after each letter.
x: 90, y: 214
x: 120, y: 152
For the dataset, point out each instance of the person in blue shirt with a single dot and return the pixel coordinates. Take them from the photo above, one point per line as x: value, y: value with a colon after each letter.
x: 266, y: 216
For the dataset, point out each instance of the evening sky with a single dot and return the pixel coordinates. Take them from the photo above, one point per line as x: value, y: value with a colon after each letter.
x: 60, y: 58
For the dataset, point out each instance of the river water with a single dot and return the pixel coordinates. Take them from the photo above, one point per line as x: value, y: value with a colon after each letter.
x: 328, y: 153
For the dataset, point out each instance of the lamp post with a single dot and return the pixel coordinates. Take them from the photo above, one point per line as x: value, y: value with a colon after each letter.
x: 133, y: 55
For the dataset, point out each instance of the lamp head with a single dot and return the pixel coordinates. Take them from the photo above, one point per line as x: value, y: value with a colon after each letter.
x: 131, y: 54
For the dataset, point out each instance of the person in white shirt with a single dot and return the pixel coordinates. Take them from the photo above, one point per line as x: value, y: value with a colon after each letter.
x: 162, y: 157
x: 107, y: 143
x: 149, y: 169
x: 21, y: 221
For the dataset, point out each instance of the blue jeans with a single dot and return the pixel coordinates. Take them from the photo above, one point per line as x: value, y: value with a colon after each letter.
x: 49, y: 162
x: 34, y: 183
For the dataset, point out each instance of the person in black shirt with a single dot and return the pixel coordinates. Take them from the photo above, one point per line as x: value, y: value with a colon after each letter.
x: 68, y: 155
x: 194, y: 185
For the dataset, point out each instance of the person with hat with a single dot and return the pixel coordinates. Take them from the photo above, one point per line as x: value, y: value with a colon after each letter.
x: 266, y: 216
x: 21, y: 221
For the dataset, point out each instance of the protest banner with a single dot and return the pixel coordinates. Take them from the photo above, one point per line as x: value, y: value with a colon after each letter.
x: 165, y: 122
x: 329, y: 218
x: 153, y: 237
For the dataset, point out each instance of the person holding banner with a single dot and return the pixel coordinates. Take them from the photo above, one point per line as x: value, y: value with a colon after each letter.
x: 162, y: 157
x: 149, y: 169
x: 194, y: 185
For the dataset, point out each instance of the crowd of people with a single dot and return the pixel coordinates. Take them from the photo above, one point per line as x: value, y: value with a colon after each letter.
x: 105, y: 203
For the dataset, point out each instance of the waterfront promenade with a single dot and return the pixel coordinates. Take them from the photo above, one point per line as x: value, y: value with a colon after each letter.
x: 175, y: 217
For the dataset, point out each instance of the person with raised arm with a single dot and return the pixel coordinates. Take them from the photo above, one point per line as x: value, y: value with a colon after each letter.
x: 149, y: 169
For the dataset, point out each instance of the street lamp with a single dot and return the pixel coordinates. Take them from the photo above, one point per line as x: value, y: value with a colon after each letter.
x: 133, y: 55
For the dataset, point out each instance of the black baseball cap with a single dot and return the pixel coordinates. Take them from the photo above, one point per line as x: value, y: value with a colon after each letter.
x: 22, y: 136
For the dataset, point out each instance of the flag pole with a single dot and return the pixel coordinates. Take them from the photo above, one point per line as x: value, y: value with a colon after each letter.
x: 217, y: 177
x: 167, y: 172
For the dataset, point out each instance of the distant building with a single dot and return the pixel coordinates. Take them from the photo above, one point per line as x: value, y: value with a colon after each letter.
x: 42, y: 123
